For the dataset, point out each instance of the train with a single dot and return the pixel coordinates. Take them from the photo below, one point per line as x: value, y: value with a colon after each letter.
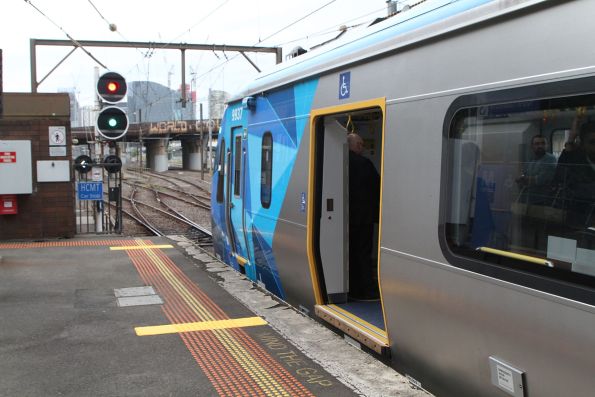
x: 484, y: 267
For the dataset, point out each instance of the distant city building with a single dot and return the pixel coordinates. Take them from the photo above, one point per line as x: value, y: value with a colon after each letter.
x: 75, y: 120
x: 153, y: 102
x: 217, y: 101
x: 87, y: 115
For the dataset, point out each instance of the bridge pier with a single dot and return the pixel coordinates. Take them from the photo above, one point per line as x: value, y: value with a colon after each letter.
x: 191, y: 156
x: 157, y: 155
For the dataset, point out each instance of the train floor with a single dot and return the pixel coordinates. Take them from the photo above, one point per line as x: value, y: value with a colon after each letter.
x: 96, y: 316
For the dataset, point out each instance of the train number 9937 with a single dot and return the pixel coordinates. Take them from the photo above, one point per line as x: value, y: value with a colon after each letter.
x: 236, y: 114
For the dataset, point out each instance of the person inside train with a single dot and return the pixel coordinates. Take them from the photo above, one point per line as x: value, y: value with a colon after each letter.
x: 535, y: 182
x: 569, y: 146
x: 579, y: 179
x: 364, y: 198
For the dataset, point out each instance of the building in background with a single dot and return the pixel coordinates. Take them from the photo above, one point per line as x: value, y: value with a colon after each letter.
x: 217, y: 101
x: 75, y: 114
x: 153, y: 102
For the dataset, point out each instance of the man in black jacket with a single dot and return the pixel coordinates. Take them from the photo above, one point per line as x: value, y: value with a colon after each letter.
x: 364, y: 200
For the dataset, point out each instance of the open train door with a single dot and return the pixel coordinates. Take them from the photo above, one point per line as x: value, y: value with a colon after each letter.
x: 330, y: 250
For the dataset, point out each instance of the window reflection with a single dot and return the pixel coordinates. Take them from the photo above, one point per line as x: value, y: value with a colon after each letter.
x: 522, y: 182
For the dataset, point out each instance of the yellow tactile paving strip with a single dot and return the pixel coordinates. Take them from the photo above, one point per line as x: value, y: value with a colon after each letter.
x: 234, y: 363
x: 199, y: 326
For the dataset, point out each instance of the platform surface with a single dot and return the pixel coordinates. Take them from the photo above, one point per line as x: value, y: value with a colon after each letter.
x: 77, y: 319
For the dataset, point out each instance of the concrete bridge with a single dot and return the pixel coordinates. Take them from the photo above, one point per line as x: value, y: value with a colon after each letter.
x: 155, y: 136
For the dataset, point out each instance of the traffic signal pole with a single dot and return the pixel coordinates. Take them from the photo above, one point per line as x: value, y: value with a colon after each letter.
x: 111, y: 125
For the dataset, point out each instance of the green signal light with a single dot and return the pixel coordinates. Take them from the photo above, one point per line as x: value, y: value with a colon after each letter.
x: 112, y: 123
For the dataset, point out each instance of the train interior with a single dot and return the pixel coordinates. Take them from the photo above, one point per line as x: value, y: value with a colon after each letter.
x: 509, y: 208
x: 347, y: 251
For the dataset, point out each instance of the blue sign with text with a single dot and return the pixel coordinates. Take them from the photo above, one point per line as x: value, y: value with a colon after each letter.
x: 344, y: 85
x: 90, y: 190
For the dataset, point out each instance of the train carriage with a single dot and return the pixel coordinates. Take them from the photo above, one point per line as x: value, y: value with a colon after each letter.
x: 486, y: 275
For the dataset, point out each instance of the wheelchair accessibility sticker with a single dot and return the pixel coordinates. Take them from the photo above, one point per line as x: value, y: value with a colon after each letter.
x: 344, y: 85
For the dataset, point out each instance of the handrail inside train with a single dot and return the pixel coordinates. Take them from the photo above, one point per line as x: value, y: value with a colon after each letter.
x: 508, y: 254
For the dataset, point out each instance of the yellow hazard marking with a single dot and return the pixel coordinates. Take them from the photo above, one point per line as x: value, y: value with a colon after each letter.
x: 244, y: 358
x: 199, y: 326
x: 143, y: 247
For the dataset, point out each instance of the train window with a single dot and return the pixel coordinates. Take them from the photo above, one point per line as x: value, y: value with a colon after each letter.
x: 266, y: 170
x: 515, y: 198
x: 237, y: 167
x: 221, y: 171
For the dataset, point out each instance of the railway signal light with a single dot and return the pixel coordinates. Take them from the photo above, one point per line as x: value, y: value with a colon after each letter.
x: 111, y: 87
x: 112, y: 121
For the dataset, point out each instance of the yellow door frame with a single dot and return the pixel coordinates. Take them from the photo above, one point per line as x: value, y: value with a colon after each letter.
x: 315, y: 114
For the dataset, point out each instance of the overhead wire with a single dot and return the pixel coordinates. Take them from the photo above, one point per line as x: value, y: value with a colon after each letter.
x: 287, y: 27
x: 268, y: 37
x: 297, y: 20
x: 76, y: 43
x: 195, y: 24
x: 100, y: 14
x: 151, y: 51
x: 111, y: 25
x: 335, y: 27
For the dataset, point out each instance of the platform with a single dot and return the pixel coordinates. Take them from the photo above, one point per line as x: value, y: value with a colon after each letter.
x: 153, y: 317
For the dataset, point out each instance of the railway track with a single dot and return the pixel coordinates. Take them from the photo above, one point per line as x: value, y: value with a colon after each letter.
x: 206, y: 193
x: 169, y: 208
x: 195, y: 202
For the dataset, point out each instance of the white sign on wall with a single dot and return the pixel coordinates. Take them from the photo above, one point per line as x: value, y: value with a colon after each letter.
x: 57, y: 135
x: 57, y: 139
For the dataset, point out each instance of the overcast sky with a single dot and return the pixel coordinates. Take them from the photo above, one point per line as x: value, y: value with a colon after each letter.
x: 232, y: 22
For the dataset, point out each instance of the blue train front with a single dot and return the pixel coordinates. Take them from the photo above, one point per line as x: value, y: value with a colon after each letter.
x: 259, y: 141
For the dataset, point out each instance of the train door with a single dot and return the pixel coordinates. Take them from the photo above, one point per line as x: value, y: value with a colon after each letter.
x: 334, y: 243
x: 343, y: 248
x: 235, y: 196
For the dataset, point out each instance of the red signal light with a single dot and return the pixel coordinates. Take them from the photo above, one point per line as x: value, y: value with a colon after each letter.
x: 112, y: 86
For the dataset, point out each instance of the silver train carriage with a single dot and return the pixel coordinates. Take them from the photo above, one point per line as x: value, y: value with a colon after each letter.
x: 478, y: 117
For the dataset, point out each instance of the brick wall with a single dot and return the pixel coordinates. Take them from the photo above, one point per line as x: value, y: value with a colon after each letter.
x: 49, y: 211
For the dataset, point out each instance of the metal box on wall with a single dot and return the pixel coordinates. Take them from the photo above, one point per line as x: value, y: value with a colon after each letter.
x: 53, y: 171
x: 8, y: 205
x: 16, y: 175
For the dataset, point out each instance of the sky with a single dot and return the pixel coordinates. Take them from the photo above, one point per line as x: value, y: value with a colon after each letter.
x: 230, y: 22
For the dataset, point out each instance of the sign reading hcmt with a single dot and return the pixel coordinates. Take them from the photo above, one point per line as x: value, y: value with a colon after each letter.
x: 90, y: 190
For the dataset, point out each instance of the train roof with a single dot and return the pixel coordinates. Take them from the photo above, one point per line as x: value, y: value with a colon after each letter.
x: 427, y: 19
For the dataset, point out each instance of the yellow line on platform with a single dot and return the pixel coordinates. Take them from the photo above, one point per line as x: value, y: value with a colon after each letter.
x: 142, y: 247
x: 199, y: 326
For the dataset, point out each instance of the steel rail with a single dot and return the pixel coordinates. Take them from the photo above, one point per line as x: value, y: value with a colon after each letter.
x: 133, y: 202
x: 152, y: 187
